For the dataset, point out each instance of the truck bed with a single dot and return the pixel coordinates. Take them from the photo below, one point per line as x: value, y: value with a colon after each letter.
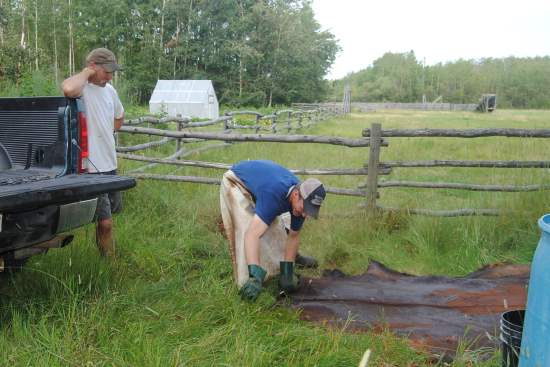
x: 21, y: 176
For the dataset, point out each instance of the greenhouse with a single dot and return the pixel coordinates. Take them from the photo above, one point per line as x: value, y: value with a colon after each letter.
x: 189, y: 98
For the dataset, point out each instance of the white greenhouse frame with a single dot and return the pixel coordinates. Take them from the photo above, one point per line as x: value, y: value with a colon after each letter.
x: 186, y: 98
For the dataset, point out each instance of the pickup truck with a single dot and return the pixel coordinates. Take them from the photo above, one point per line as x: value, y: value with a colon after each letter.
x: 44, y: 188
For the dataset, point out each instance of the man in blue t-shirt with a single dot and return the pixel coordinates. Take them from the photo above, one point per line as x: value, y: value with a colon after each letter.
x: 275, y: 190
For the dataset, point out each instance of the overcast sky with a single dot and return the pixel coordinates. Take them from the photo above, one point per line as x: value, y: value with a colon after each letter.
x: 436, y: 30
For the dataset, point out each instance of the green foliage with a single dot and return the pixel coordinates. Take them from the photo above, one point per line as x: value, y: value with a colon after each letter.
x: 256, y: 52
x: 37, y: 84
x: 400, y: 77
x: 34, y: 83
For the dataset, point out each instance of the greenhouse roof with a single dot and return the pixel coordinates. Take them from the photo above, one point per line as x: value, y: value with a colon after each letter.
x: 190, y: 91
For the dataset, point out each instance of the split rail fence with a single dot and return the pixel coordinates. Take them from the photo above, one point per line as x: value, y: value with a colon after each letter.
x: 376, y: 134
x: 281, y: 123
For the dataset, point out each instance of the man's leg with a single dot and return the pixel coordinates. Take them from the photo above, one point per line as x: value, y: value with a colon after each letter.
x: 291, y: 251
x: 288, y: 280
x: 104, y: 237
x: 104, y: 226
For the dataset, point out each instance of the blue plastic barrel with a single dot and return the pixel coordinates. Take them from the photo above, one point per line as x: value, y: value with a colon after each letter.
x: 535, y: 342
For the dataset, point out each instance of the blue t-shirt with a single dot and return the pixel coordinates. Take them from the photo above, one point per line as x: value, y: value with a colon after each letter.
x: 270, y: 184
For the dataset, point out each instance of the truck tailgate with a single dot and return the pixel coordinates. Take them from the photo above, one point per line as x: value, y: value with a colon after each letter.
x: 61, y: 190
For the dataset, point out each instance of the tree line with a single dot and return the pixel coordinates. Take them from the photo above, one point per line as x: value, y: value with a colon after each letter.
x: 400, y: 77
x: 256, y: 52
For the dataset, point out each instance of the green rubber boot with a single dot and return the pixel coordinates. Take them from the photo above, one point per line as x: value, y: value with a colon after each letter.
x: 288, y: 281
x: 252, y: 288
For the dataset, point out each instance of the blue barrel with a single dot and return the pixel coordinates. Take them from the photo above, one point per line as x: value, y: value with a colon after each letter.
x: 535, y: 342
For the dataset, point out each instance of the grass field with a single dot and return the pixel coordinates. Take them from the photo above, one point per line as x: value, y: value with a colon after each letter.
x: 168, y: 298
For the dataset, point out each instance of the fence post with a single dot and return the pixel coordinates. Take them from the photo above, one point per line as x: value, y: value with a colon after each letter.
x: 274, y: 123
x: 346, y: 103
x: 288, y: 122
x: 179, y: 128
x: 227, y: 123
x: 372, y: 168
x: 300, y: 117
x: 258, y: 117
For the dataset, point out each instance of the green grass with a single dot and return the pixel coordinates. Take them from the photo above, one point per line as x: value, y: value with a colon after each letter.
x: 168, y: 299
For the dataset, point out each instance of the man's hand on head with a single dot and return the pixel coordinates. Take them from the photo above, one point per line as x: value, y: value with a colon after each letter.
x: 90, y: 70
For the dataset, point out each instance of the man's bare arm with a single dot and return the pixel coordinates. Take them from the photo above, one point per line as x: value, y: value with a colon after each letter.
x: 73, y: 86
x: 252, y: 240
x: 118, y: 123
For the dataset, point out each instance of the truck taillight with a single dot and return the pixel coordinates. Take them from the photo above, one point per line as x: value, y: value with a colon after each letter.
x: 83, y: 128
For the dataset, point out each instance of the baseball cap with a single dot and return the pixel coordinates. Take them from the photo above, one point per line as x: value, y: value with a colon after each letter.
x: 104, y: 58
x: 313, y: 193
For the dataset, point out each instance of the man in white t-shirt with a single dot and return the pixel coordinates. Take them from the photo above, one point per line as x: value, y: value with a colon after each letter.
x: 104, y: 115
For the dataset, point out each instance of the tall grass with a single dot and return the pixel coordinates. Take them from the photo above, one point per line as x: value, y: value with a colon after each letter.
x: 168, y: 298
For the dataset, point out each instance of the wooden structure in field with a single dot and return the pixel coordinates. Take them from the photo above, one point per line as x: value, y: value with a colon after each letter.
x: 487, y: 103
x: 346, y: 103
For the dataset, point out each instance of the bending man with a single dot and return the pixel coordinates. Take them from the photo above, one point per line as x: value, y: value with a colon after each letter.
x: 253, y: 195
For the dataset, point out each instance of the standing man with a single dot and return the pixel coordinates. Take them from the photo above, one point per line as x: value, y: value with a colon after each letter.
x: 105, y: 115
x: 253, y: 195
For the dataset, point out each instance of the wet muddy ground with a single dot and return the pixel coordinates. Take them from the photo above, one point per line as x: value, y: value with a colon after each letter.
x: 434, y: 312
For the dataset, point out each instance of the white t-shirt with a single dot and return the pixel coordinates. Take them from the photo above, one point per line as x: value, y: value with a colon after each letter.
x: 102, y: 108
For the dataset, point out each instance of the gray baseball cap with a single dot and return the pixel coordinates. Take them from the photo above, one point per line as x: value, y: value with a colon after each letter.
x: 104, y: 58
x: 313, y: 193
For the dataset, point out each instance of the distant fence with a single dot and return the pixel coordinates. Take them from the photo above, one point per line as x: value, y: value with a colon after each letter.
x: 368, y: 106
x: 365, y: 107
x: 374, y: 138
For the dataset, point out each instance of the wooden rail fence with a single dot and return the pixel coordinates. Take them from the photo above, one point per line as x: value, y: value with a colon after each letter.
x: 373, y: 138
x: 278, y: 122
x: 373, y: 184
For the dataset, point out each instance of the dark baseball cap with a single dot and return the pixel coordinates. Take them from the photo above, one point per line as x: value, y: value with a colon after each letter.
x: 313, y: 193
x: 104, y: 58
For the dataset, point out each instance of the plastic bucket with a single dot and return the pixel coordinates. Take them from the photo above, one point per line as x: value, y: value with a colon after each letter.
x: 511, y: 327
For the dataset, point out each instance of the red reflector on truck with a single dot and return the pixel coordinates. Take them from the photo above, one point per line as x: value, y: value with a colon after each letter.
x: 83, y: 128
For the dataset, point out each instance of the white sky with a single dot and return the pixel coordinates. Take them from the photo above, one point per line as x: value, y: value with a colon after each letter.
x: 437, y: 31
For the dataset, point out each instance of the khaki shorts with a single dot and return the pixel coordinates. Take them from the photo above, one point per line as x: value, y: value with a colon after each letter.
x: 108, y: 204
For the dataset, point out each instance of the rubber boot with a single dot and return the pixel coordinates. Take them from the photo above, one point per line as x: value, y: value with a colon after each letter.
x: 288, y: 281
x: 252, y: 288
x: 306, y: 261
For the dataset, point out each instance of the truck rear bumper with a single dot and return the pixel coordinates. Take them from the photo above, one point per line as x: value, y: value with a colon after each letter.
x: 77, y: 214
x: 60, y: 190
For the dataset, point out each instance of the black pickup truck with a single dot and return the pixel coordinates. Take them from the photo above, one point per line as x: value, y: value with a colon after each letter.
x: 44, y: 189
